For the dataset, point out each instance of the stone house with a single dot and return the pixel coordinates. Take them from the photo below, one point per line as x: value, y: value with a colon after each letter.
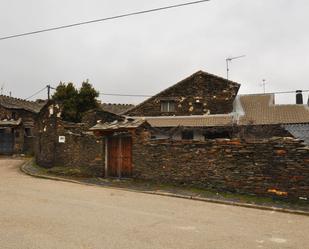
x: 65, y: 144
x: 200, y: 132
x: 18, y: 124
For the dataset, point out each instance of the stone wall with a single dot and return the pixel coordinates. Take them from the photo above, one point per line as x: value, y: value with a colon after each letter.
x: 81, y: 149
x: 259, y: 167
x: 199, y: 94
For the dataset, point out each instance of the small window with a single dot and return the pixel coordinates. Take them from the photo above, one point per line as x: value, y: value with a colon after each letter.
x: 214, y: 135
x: 198, y: 107
x: 28, y: 132
x: 167, y: 106
x: 187, y: 135
x: 13, y: 115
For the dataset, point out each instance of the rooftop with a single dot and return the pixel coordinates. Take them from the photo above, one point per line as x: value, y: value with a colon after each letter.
x: 118, y: 125
x: 21, y: 104
x: 191, y: 121
x: 261, y: 109
x: 116, y: 108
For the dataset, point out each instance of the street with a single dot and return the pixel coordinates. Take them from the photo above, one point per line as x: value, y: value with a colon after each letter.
x: 44, y: 214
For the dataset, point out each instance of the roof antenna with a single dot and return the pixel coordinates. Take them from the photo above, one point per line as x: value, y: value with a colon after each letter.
x: 263, y: 84
x: 2, y: 88
x: 228, y: 60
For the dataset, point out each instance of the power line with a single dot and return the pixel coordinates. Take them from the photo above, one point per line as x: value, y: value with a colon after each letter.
x: 304, y: 91
x: 149, y: 95
x: 125, y: 95
x: 102, y: 19
x: 144, y: 95
x: 36, y: 93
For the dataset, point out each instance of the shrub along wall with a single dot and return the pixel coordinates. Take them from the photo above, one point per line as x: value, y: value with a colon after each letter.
x: 262, y: 167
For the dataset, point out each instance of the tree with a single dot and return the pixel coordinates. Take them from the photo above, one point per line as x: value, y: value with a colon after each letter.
x: 75, y: 102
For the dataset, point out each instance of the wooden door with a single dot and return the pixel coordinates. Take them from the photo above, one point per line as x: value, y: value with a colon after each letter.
x: 119, y: 157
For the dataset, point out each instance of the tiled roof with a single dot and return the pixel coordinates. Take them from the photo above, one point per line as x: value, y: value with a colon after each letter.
x: 191, y: 121
x: 261, y: 109
x: 117, y: 125
x: 15, y: 103
x: 116, y: 108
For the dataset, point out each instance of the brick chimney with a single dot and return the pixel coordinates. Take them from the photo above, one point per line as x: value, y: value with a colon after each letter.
x: 299, y: 97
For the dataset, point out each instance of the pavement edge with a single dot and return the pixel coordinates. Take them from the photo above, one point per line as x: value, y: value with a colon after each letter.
x: 230, y: 203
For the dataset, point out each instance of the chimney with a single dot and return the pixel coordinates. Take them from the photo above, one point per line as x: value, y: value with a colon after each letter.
x: 299, y: 97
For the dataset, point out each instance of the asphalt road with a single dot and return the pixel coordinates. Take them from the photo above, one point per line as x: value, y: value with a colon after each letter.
x: 43, y: 214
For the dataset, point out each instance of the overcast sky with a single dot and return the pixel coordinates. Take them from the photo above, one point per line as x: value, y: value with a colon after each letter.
x: 147, y: 53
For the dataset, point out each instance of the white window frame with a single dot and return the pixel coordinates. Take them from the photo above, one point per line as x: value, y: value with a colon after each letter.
x: 169, y: 104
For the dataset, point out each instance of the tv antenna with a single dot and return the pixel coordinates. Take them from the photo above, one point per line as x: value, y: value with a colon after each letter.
x: 228, y: 61
x: 263, y: 84
x: 2, y: 88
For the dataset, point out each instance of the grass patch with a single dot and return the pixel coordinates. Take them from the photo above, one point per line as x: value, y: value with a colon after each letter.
x: 90, y: 175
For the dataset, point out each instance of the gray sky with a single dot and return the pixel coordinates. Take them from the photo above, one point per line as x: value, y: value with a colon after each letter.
x: 147, y: 53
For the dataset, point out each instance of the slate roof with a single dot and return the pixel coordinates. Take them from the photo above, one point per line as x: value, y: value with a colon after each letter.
x: 21, y: 104
x: 191, y: 121
x: 10, y: 123
x: 116, y: 108
x: 260, y: 109
x: 300, y: 131
x: 118, y: 125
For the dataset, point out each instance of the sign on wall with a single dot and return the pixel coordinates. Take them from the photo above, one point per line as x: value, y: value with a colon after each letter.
x: 62, y: 139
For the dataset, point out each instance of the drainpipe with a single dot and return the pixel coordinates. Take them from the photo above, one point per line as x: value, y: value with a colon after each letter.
x: 106, y: 157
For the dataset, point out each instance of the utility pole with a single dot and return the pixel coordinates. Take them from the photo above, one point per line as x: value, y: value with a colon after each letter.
x: 228, y: 60
x: 48, y: 92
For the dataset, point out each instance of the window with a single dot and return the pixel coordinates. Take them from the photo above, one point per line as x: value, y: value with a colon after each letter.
x: 218, y: 134
x: 13, y: 115
x: 167, y: 106
x: 28, y: 132
x: 187, y: 135
x: 198, y: 107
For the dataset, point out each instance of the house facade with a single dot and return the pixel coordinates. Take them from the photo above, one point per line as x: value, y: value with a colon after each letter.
x: 18, y: 124
x: 199, y: 132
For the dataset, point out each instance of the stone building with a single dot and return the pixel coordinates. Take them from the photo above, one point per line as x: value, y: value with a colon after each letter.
x: 199, y: 132
x: 65, y: 144
x: 18, y: 124
x: 200, y: 94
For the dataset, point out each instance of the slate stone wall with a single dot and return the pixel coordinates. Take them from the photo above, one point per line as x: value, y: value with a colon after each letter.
x: 259, y: 167
x: 80, y: 150
x: 199, y: 94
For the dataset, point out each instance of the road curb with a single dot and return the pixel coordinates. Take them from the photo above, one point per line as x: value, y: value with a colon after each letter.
x: 230, y: 203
